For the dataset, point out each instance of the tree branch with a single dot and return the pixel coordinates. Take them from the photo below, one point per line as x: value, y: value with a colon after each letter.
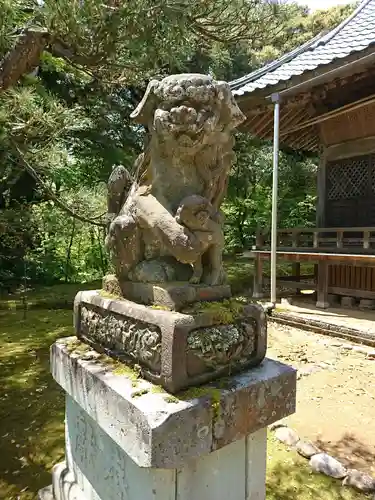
x: 51, y: 195
x: 23, y: 58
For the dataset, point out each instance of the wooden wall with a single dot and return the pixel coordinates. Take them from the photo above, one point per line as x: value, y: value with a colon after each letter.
x: 346, y: 190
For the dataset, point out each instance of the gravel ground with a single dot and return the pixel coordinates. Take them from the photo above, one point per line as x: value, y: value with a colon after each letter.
x: 335, y: 392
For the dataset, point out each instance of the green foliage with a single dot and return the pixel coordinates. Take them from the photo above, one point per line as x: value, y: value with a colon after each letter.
x: 300, y: 26
x: 68, y: 249
x: 248, y: 203
x: 64, y: 126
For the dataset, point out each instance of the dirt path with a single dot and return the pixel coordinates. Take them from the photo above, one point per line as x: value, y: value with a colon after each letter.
x: 335, y: 393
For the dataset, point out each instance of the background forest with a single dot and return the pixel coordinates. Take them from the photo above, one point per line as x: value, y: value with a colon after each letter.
x: 70, y: 74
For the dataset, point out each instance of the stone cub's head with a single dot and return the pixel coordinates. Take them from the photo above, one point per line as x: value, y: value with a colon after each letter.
x: 194, y: 212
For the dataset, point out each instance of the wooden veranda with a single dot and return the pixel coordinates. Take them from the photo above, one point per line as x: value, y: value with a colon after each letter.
x: 326, y: 91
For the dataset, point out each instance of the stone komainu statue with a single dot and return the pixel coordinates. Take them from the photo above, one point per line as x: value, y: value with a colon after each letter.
x: 166, y: 224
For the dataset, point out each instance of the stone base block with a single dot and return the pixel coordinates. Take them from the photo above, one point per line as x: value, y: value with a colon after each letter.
x: 367, y: 304
x: 237, y: 472
x: 63, y: 487
x: 159, y: 430
x: 127, y: 439
x: 174, y: 296
x: 174, y: 349
x: 348, y: 302
x: 322, y: 305
x: 334, y: 300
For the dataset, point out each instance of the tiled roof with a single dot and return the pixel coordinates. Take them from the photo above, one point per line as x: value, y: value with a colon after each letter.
x: 353, y: 35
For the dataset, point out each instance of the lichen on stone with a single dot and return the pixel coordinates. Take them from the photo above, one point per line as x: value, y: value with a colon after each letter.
x: 223, y: 345
x: 141, y: 341
x: 158, y: 389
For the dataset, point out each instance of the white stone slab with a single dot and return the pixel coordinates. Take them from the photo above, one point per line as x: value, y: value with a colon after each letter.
x: 103, y: 471
x: 236, y: 472
x: 157, y: 432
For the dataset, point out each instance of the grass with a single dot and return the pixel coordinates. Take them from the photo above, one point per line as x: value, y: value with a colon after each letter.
x: 46, y: 297
x: 32, y: 418
x: 31, y: 403
x: 289, y: 478
x: 239, y: 272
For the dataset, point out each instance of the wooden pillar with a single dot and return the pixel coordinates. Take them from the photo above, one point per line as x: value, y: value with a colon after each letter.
x: 296, y: 266
x: 322, y: 285
x: 258, y: 277
x: 321, y: 269
x: 321, y: 190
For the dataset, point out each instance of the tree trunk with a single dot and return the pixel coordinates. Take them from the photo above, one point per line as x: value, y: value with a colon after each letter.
x: 23, y: 58
x: 69, y: 252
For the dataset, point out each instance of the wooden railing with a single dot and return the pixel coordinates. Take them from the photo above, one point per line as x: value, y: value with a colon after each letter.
x: 333, y: 239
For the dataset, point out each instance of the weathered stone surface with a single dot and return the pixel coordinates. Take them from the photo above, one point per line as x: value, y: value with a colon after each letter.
x: 173, y: 349
x: 324, y: 463
x: 160, y: 271
x: 156, y: 430
x: 223, y: 344
x: 172, y: 210
x: 367, y: 304
x: 111, y: 285
x: 236, y: 471
x: 307, y: 449
x: 174, y: 296
x: 46, y: 493
x: 287, y: 436
x: 140, y: 340
x: 348, y: 302
x: 360, y: 481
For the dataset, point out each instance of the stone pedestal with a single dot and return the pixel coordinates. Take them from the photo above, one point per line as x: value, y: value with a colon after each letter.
x: 367, y: 304
x: 127, y: 439
x: 348, y: 302
x: 174, y: 296
x: 174, y: 349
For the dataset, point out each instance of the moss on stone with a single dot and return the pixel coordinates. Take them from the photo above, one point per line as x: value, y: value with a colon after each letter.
x: 77, y: 346
x: 171, y: 399
x: 108, y: 295
x: 140, y: 393
x: 213, y: 393
x: 281, y: 309
x: 158, y: 389
x: 222, y: 312
x: 132, y: 373
x: 158, y: 307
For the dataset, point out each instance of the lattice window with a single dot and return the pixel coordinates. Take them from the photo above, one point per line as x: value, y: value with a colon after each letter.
x: 348, y: 178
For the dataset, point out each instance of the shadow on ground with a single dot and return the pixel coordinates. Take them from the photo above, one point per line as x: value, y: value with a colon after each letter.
x: 32, y: 418
x: 290, y: 478
x: 31, y: 403
x: 351, y: 452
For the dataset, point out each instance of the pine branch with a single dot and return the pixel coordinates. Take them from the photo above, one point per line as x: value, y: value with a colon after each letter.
x: 51, y: 195
x: 23, y: 58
